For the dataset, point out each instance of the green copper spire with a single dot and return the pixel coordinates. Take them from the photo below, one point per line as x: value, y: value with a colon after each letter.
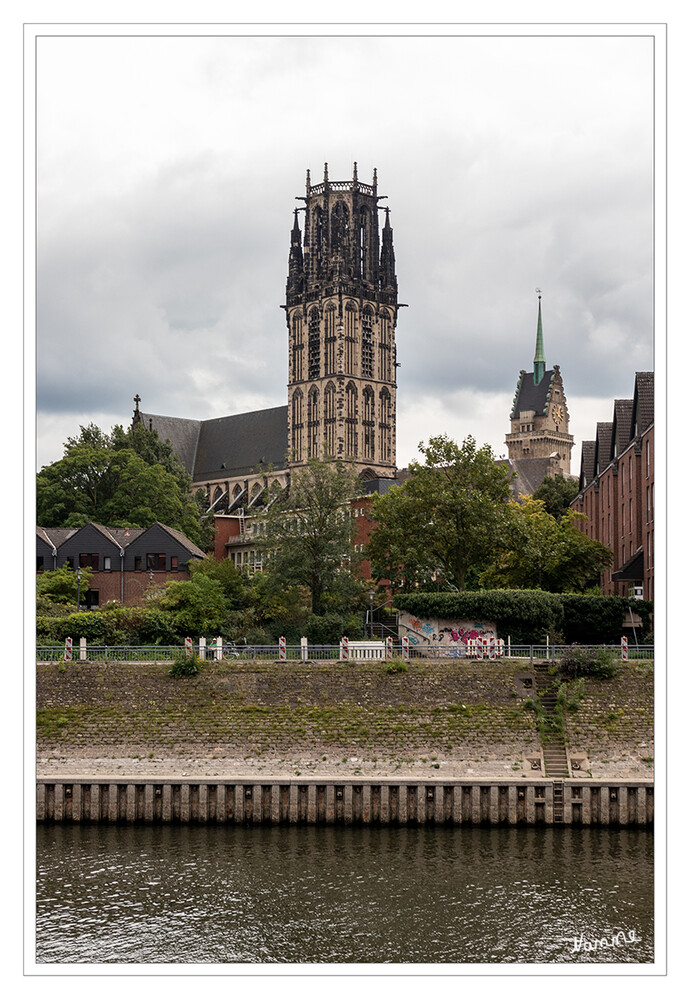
x: 539, y: 359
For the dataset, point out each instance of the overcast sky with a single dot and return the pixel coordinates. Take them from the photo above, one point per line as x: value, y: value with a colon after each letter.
x: 167, y: 172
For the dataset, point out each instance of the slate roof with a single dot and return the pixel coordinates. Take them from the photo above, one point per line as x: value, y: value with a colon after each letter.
x: 54, y: 536
x: 529, y: 396
x: 226, y: 446
x: 604, y: 446
x: 181, y: 538
x: 633, y: 568
x: 643, y: 401
x: 622, y: 424
x: 529, y: 474
x: 588, y: 465
x: 120, y: 536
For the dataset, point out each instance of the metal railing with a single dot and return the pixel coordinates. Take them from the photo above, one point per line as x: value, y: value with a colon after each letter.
x: 313, y: 652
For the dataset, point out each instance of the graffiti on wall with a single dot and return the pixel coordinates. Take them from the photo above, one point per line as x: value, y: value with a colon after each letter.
x: 423, y: 631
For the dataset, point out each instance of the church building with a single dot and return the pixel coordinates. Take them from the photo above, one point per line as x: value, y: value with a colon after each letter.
x: 341, y: 310
x: 539, y: 444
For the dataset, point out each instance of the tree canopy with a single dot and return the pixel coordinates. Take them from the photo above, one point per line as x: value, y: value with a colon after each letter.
x: 122, y: 479
x: 557, y: 494
x: 448, y: 518
x: 305, y: 537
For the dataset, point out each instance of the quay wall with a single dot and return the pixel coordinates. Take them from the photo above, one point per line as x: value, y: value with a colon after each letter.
x: 317, y: 801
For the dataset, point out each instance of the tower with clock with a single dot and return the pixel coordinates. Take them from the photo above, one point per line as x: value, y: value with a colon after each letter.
x: 539, y: 416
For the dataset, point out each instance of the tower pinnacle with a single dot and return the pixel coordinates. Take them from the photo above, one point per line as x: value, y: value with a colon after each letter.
x: 539, y: 359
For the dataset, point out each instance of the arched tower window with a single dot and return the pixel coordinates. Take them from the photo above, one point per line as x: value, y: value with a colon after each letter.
x: 385, y: 417
x: 313, y: 422
x: 385, y: 343
x: 297, y: 348
x: 367, y: 342
x: 314, y: 344
x: 329, y: 417
x: 363, y: 243
x: 340, y: 218
x: 350, y: 336
x: 297, y: 424
x: 329, y: 322
x: 351, y: 420
x: 368, y: 421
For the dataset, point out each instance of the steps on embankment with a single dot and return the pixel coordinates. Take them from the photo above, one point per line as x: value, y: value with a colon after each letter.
x: 553, y: 744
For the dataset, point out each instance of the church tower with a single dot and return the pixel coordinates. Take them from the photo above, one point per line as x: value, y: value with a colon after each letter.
x: 539, y: 418
x: 341, y: 311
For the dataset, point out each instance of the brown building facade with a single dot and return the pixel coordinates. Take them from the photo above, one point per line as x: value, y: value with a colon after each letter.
x: 617, y: 491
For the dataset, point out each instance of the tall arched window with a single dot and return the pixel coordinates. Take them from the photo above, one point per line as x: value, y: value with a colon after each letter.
x: 329, y: 324
x: 297, y: 348
x: 340, y: 218
x: 350, y: 335
x: 329, y: 418
x: 314, y: 344
x: 351, y: 420
x: 385, y: 343
x: 313, y: 423
x: 297, y: 424
x: 363, y: 243
x: 368, y: 421
x: 367, y: 342
x: 385, y: 415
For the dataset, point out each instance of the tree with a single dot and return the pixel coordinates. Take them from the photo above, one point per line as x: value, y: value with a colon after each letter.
x: 121, y: 480
x: 447, y: 518
x: 557, y: 494
x: 60, y: 586
x: 305, y: 538
x: 197, y: 606
x: 546, y: 552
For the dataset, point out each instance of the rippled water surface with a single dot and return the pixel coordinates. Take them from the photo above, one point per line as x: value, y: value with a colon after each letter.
x: 186, y: 894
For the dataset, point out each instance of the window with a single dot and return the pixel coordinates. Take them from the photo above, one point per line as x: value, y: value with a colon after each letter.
x: 155, y: 561
x: 330, y: 368
x: 173, y: 562
x: 137, y: 563
x: 351, y: 421
x: 630, y: 523
x: 367, y: 344
x: 350, y: 328
x: 313, y: 423
x: 91, y: 598
x: 329, y: 417
x: 297, y: 426
x: 106, y: 563
x: 314, y: 363
x: 88, y: 560
x: 368, y: 421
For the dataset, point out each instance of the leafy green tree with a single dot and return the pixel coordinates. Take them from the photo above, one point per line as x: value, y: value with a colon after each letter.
x: 235, y: 585
x: 448, y: 518
x: 557, y: 494
x: 59, y: 586
x: 196, y: 607
x: 545, y: 552
x: 305, y: 539
x: 123, y: 479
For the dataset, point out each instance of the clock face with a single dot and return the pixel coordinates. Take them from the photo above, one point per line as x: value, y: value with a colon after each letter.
x: 558, y: 414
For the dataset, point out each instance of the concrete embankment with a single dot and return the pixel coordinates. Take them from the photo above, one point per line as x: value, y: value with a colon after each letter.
x: 322, y: 801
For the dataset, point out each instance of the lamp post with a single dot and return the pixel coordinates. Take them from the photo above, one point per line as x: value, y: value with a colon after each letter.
x: 371, y: 611
x: 78, y: 587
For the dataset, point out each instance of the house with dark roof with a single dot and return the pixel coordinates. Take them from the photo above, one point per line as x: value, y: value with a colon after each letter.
x: 124, y: 561
x: 539, y: 444
x: 616, y: 491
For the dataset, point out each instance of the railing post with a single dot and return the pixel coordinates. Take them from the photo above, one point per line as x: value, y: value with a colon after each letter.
x: 282, y: 650
x: 304, y: 649
x: 82, y: 648
x: 389, y: 647
x: 344, y: 648
x: 188, y: 646
x: 202, y: 648
x: 68, y: 650
x: 406, y: 647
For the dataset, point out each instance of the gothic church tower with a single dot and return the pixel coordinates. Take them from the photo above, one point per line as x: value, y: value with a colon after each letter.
x: 341, y: 311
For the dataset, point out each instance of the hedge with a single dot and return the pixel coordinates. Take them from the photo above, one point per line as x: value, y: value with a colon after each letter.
x: 529, y: 615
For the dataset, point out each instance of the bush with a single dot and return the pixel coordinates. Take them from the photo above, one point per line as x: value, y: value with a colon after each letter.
x: 396, y: 665
x: 581, y: 661
x: 184, y: 665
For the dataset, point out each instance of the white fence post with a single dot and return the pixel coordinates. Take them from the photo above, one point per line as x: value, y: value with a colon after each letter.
x: 624, y: 649
x: 82, y: 648
x: 68, y: 650
x: 389, y: 647
x: 219, y: 648
x: 282, y: 649
x: 188, y: 646
x: 202, y: 649
x: 304, y: 647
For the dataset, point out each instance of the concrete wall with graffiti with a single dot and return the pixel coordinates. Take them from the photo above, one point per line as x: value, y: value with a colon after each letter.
x: 436, y: 631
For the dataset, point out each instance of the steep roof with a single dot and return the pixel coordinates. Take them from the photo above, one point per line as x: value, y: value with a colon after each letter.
x: 643, y: 401
x: 604, y: 446
x: 529, y: 474
x: 622, y: 424
x: 588, y: 463
x: 529, y: 396
x: 228, y: 445
x: 54, y: 536
x: 181, y: 538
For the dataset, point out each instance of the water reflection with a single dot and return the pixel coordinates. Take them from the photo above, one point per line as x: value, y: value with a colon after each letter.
x: 188, y: 894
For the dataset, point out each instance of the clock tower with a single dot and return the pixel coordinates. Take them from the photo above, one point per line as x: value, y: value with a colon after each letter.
x: 539, y: 417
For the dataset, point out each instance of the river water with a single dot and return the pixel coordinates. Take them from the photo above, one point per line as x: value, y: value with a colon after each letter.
x: 294, y: 895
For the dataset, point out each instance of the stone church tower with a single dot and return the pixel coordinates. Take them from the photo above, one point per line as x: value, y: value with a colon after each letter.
x: 341, y: 311
x: 539, y: 417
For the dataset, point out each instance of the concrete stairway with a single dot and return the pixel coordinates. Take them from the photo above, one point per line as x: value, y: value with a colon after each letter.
x: 553, y: 745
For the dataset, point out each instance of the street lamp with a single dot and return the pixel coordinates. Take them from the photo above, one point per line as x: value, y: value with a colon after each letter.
x: 78, y: 587
x: 371, y: 611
